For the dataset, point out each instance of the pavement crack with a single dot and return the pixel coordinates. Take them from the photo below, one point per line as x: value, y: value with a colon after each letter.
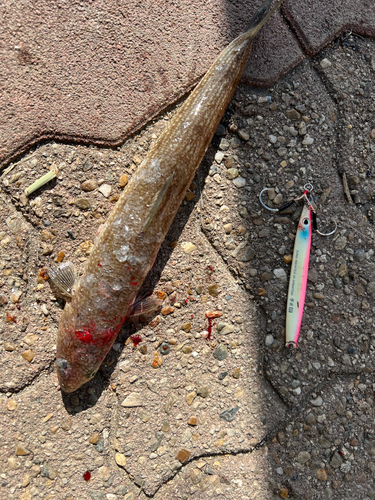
x: 35, y: 377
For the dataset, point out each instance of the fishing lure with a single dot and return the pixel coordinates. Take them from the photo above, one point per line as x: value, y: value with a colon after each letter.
x: 125, y: 250
x: 300, y: 263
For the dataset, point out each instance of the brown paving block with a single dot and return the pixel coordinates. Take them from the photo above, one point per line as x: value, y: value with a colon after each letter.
x: 96, y: 72
x: 317, y: 22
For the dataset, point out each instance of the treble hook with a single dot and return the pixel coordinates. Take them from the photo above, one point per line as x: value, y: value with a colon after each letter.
x: 308, y: 199
x: 308, y: 187
x: 265, y: 206
x: 328, y: 234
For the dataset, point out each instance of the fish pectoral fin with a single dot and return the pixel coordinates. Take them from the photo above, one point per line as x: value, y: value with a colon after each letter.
x: 143, y: 306
x: 156, y: 202
x: 63, y: 277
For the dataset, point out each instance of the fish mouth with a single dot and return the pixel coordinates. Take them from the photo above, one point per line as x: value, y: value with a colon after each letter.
x: 71, y: 377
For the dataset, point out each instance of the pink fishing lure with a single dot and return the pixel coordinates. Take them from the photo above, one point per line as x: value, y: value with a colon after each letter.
x: 298, y: 278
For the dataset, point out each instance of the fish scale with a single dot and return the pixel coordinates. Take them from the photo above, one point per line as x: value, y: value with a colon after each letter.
x: 128, y: 244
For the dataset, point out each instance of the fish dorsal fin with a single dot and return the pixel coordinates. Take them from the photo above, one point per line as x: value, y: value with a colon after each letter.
x: 63, y: 277
x: 156, y: 202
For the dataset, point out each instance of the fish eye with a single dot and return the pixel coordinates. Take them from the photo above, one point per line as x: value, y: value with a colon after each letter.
x: 306, y: 222
x: 62, y: 364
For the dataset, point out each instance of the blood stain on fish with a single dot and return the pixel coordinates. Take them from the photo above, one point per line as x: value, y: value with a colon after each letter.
x: 84, y: 336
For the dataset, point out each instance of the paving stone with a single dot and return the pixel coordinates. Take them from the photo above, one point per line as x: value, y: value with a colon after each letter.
x: 324, y: 20
x: 100, y: 111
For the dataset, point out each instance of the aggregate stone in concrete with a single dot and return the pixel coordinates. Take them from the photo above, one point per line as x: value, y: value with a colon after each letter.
x: 49, y: 446
x: 232, y: 406
x: 225, y: 476
x: 328, y: 451
x: 96, y: 72
x: 25, y: 330
x: 355, y: 98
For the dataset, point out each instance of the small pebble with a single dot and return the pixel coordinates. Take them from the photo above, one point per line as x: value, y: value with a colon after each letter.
x: 220, y: 352
x: 269, y: 340
x: 120, y: 459
x: 15, y: 296
x: 239, y: 182
x: 203, y: 391
x: 188, y: 247
x: 307, y: 141
x: 89, y: 185
x: 123, y: 180
x: 321, y: 475
x: 183, y: 455
x: 232, y: 173
x: 49, y: 472
x: 28, y: 355
x: 132, y: 400
x: 340, y: 243
x: 280, y: 274
x: 104, y: 473
x: 164, y: 348
x: 214, y: 290
x: 157, y: 360
x: 22, y: 451
x: 230, y: 414
x: 303, y: 457
x: 325, y: 63
x: 94, y: 438
x: 248, y: 255
x: 219, y: 156
x: 105, y: 189
x: 293, y: 114
x: 317, y: 402
x: 190, y: 397
x: 225, y: 328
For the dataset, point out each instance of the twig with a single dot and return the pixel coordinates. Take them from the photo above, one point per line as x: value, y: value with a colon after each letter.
x: 346, y: 188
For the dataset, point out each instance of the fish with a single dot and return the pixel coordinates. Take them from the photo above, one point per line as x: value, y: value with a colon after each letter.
x: 101, y: 299
x: 298, y: 277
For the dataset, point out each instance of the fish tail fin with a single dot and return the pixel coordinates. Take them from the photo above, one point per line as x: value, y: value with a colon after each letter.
x: 261, y: 16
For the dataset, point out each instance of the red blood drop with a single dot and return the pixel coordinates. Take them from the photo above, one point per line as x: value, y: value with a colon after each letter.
x: 84, y: 336
x: 209, y: 329
x: 99, y: 264
x: 87, y: 476
x: 136, y: 340
x: 134, y: 283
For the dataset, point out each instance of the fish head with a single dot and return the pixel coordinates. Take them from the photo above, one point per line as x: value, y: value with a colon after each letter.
x: 77, y: 357
x: 72, y: 374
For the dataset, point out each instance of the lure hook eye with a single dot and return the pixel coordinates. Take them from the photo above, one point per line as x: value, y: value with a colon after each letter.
x: 265, y: 206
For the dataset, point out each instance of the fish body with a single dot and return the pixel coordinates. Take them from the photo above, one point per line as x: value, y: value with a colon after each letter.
x: 127, y: 246
x: 298, y: 278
